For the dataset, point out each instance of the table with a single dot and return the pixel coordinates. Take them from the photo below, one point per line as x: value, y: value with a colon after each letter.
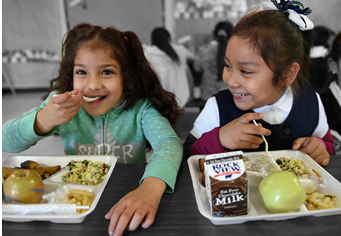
x: 178, y: 213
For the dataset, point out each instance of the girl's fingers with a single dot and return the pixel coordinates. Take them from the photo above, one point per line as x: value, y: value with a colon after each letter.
x: 148, y: 221
x: 115, y: 217
x: 247, y: 145
x: 319, y: 158
x: 144, y: 216
x: 136, y: 219
x: 243, y: 133
x: 123, y: 220
x: 302, y: 145
x: 250, y: 128
x: 251, y: 139
x: 325, y: 161
x: 256, y: 130
x: 109, y: 214
x: 60, y: 98
x: 63, y: 98
x: 75, y: 92
x: 248, y: 117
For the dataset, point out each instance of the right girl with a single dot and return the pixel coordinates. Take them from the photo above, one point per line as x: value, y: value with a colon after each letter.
x: 266, y: 64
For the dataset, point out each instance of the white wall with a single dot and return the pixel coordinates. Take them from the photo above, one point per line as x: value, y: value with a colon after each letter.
x: 139, y: 16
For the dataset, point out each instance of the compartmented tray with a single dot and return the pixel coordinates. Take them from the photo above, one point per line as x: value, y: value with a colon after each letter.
x: 257, y: 210
x: 55, y: 182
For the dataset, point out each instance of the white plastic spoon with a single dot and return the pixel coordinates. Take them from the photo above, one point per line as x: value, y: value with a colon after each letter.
x: 266, y: 143
x: 87, y: 99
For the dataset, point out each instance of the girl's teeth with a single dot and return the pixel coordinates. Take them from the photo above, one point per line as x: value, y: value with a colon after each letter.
x: 239, y: 94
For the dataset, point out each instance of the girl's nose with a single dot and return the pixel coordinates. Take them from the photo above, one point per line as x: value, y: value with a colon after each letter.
x: 94, y: 82
x: 230, y: 78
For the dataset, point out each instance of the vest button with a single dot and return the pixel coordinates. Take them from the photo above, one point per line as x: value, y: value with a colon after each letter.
x: 287, y: 130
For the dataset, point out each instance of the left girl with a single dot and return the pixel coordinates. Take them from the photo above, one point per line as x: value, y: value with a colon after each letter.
x: 132, y: 111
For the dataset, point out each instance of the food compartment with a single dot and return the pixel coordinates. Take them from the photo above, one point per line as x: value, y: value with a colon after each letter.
x: 83, y: 195
x: 43, y: 161
x: 258, y: 164
x: 50, y: 187
x: 57, y: 177
x: 15, y: 161
x: 89, y: 188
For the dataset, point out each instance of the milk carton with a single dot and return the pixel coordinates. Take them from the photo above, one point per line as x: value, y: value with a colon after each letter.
x: 227, y: 184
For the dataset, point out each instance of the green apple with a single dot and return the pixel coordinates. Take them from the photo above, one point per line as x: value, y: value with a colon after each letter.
x: 24, y: 185
x: 282, y: 192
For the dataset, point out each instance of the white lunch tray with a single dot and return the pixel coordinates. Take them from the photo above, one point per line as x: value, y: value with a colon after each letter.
x: 55, y: 182
x: 257, y: 210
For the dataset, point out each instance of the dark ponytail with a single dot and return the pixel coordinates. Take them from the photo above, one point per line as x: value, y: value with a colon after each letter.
x: 161, y: 38
x: 143, y: 82
x: 222, y: 39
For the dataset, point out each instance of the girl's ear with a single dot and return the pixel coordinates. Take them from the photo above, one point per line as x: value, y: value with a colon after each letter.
x: 332, y: 65
x: 290, y: 74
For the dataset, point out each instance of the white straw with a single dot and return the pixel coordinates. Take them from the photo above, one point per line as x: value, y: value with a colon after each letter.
x: 33, y: 209
x: 266, y: 143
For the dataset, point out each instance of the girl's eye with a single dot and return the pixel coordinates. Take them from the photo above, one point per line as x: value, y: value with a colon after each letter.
x: 80, y: 72
x: 246, y: 72
x: 107, y: 72
x: 227, y: 66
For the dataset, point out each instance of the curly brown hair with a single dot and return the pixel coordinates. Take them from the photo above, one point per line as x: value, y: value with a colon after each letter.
x: 279, y: 42
x: 140, y: 81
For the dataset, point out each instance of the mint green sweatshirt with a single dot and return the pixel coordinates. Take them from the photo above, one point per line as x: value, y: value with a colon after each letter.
x: 119, y: 132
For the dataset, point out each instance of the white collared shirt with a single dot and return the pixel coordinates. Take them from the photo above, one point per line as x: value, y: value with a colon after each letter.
x: 274, y: 114
x: 277, y: 113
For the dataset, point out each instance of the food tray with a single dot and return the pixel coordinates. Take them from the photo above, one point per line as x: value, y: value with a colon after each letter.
x: 257, y: 210
x: 55, y: 182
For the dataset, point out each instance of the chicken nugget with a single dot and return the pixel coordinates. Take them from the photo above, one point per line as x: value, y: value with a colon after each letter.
x: 7, y: 172
x: 47, y: 171
x: 29, y: 164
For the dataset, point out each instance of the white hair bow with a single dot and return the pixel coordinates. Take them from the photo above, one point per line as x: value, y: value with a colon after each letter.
x: 300, y: 20
x: 296, y: 10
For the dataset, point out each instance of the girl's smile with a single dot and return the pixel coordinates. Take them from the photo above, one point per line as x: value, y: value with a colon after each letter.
x: 97, y: 74
x: 248, y: 77
x: 239, y: 95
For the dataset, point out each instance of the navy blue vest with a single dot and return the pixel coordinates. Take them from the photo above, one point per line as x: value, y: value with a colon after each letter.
x: 301, y: 121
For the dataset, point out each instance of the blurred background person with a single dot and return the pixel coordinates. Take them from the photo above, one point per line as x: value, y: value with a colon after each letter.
x: 170, y: 62
x: 211, y: 60
x: 318, y: 66
x: 331, y: 96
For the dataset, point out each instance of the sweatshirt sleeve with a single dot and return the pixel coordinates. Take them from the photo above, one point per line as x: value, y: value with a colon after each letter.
x: 18, y: 134
x: 328, y: 142
x: 166, y: 159
x: 208, y: 143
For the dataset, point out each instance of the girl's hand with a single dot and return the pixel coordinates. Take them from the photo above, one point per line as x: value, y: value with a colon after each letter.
x: 241, y: 134
x: 59, y: 110
x: 137, y: 207
x: 314, y: 148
